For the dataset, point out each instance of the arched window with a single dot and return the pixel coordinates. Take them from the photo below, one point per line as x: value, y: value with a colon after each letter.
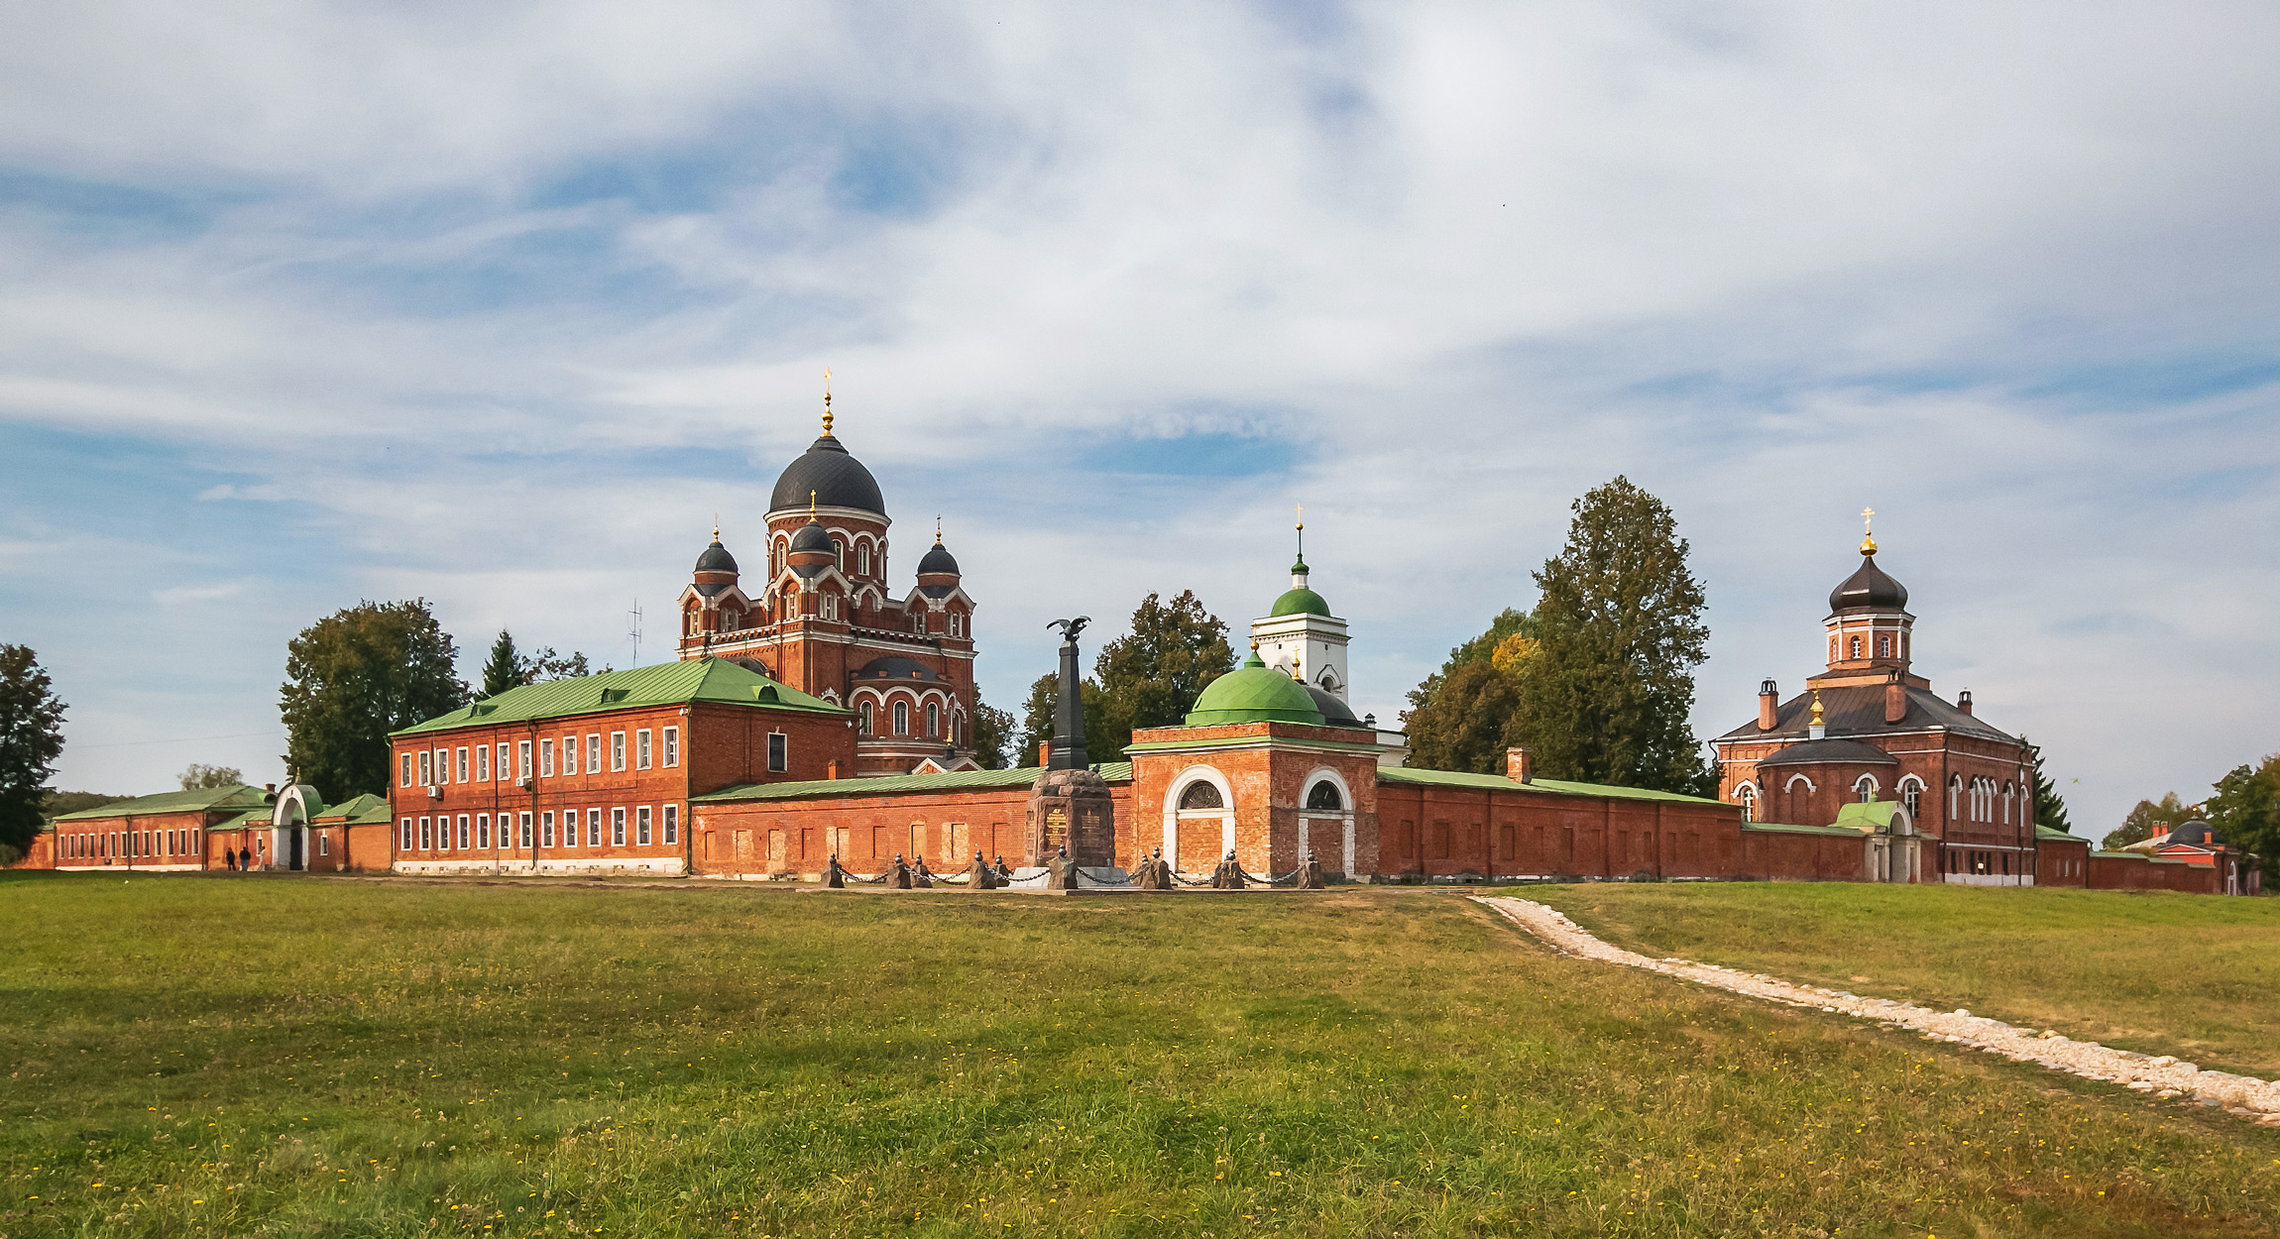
x: 1747, y: 795
x: 2009, y: 793
x: 1955, y: 798
x: 1832, y: 649
x: 933, y: 719
x: 957, y: 730
x: 1324, y: 795
x: 1853, y: 648
x: 1912, y: 794
x: 1884, y: 646
x: 863, y: 715
x: 838, y: 554
x: 1201, y: 794
x: 1865, y: 785
x: 902, y: 718
x: 863, y: 559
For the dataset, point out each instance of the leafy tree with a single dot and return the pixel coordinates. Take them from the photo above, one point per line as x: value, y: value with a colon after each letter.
x: 31, y: 738
x: 353, y: 677
x: 1463, y: 721
x: 544, y: 664
x: 2050, y: 809
x: 2148, y: 819
x: 504, y: 669
x: 1151, y: 676
x: 60, y: 803
x: 1037, y: 717
x: 2246, y: 809
x: 198, y: 775
x: 1604, y: 698
x: 993, y: 730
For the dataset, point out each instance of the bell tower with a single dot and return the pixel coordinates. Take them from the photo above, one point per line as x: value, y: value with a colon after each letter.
x: 1299, y: 636
x: 1868, y: 632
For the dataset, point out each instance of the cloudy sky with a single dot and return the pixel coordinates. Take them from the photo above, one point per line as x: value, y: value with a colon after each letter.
x: 497, y: 305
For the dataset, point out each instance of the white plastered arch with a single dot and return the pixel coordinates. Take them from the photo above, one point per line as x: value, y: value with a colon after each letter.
x: 1198, y: 773
x: 1794, y: 780
x: 1344, y: 817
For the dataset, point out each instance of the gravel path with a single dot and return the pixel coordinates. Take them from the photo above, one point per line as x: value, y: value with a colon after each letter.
x: 2161, y: 1076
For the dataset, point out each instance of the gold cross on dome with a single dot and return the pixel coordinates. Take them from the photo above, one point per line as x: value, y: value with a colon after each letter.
x: 827, y: 401
x: 1867, y: 515
x: 1302, y: 516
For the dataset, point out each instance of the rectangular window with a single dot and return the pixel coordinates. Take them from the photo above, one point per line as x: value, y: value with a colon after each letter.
x: 593, y: 752
x: 617, y: 750
x: 617, y: 828
x: 641, y: 826
x: 546, y: 758
x: 404, y: 770
x: 779, y: 756
x: 593, y: 828
x: 641, y: 749
x: 672, y: 824
x: 463, y: 832
x: 522, y: 759
x: 324, y: 844
x: 570, y: 823
x: 569, y: 754
x: 546, y: 829
x: 427, y: 834
x: 406, y: 845
x: 500, y: 771
x: 459, y: 765
x: 443, y: 765
x: 427, y: 769
x: 524, y: 821
x: 482, y: 763
x: 672, y: 747
x: 483, y: 832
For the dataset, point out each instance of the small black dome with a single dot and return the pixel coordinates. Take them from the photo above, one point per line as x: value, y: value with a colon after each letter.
x: 812, y: 537
x: 1869, y: 587
x: 938, y: 560
x: 896, y: 667
x: 716, y: 559
x: 2195, y: 831
x: 1335, y: 713
x: 837, y: 480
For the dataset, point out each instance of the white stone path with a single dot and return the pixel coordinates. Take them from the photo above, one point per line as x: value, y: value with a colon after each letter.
x: 2162, y: 1076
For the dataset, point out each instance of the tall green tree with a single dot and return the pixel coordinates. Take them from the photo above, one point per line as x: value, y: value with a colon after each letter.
x: 2246, y: 810
x: 353, y: 677
x: 1151, y: 676
x: 1037, y: 718
x: 504, y: 669
x: 1462, y: 716
x: 1606, y: 695
x: 198, y: 774
x: 2149, y: 818
x: 31, y: 738
x: 544, y: 664
x: 993, y: 731
x: 2050, y: 808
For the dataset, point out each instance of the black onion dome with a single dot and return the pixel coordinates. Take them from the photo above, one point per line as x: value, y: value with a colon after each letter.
x: 716, y: 559
x: 1335, y: 713
x: 836, y: 479
x: 812, y: 537
x: 1869, y: 587
x: 938, y: 560
x: 2195, y: 832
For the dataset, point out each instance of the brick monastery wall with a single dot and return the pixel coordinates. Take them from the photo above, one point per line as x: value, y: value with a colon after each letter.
x: 757, y: 838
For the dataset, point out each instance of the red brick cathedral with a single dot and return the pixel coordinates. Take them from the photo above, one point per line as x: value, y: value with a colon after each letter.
x: 824, y: 621
x: 1869, y: 729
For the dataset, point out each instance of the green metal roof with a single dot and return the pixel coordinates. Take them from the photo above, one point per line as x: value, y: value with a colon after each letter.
x: 889, y: 785
x: 1788, y: 828
x: 662, y: 684
x: 1867, y: 814
x: 2045, y: 833
x: 251, y: 817
x: 1300, y: 601
x: 1497, y: 782
x: 360, y: 810
x: 240, y: 795
x: 1253, y: 693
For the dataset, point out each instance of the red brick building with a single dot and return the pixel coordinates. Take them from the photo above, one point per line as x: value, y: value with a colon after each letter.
x: 164, y: 833
x: 822, y: 618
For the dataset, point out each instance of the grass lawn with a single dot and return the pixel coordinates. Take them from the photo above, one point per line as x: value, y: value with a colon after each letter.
x: 2190, y: 975
x: 295, y: 1056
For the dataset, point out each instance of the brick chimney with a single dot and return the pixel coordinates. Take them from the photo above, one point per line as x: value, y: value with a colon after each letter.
x: 1044, y: 752
x: 1895, y: 699
x: 1963, y: 701
x: 1769, y: 705
x: 831, y: 769
x: 1518, y: 765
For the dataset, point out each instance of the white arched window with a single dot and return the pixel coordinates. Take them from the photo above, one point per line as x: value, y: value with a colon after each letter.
x: 933, y: 719
x: 1912, y: 795
x: 1325, y: 796
x: 1747, y: 795
x: 863, y: 559
x: 1853, y: 648
x: 1865, y: 787
x: 1955, y: 798
x: 2010, y: 793
x: 902, y: 718
x: 863, y: 716
x: 1884, y: 646
x: 1201, y: 794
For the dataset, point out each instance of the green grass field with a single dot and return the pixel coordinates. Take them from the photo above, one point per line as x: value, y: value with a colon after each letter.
x: 289, y: 1056
x: 2161, y: 973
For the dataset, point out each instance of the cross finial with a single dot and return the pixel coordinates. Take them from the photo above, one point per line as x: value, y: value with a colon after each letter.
x: 811, y: 507
x: 827, y: 403
x: 938, y: 529
x: 1868, y: 536
x: 716, y: 526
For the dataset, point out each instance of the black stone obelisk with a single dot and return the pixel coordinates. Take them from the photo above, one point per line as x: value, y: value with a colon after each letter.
x: 1068, y: 747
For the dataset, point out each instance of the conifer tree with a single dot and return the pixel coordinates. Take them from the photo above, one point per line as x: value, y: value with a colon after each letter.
x: 2050, y: 809
x: 1607, y: 693
x: 31, y: 738
x: 504, y: 670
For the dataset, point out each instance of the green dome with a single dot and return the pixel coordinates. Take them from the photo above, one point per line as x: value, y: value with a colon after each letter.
x: 1300, y: 601
x: 1253, y: 693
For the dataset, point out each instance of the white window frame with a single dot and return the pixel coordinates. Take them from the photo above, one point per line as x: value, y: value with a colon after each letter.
x: 643, y: 750
x: 933, y: 720
x: 779, y: 752
x: 902, y: 717
x: 570, y: 754
x: 427, y: 833
x: 546, y: 758
x: 464, y: 841
x: 593, y: 828
x: 522, y: 820
x: 324, y: 843
x: 482, y: 763
x: 427, y: 768
x: 672, y: 824
x: 641, y: 823
x: 569, y: 828
x: 617, y: 827
x: 459, y: 764
x: 546, y: 829
x: 593, y: 752
x: 483, y: 830
x: 501, y: 769
x: 522, y: 759
x: 404, y: 769
x: 617, y: 751
x: 405, y: 845
x: 672, y: 747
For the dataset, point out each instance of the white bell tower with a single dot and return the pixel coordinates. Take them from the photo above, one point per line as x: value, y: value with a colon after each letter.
x: 1300, y: 637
